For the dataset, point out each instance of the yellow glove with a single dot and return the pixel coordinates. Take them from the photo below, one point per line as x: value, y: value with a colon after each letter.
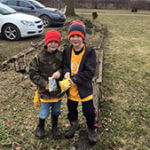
x: 36, y: 100
x: 65, y: 84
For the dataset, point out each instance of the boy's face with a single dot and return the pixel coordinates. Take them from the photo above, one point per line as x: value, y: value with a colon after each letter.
x: 76, y: 41
x: 52, y: 46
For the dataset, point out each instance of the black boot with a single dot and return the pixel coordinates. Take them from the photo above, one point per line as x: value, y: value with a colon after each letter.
x: 40, y: 133
x: 55, y: 131
x: 74, y: 126
x: 92, y: 136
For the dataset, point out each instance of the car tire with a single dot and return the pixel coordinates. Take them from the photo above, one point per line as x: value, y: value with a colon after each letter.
x: 46, y: 20
x: 11, y: 32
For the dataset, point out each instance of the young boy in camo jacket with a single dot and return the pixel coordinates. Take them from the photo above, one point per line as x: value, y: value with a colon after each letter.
x: 48, y: 63
x: 79, y: 65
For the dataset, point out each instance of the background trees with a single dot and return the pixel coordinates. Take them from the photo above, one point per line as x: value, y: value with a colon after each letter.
x: 98, y: 4
x: 69, y: 6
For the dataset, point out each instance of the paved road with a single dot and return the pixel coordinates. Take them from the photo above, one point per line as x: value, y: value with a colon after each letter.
x: 114, y: 14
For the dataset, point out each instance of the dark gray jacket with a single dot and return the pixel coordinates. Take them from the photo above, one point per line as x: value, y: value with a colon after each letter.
x: 44, y: 67
x: 87, y: 68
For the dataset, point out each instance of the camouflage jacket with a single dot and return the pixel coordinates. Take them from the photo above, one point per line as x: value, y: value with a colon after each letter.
x: 41, y: 68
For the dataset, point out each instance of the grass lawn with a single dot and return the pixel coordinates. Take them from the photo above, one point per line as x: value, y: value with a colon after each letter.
x: 120, y: 11
x: 124, y: 110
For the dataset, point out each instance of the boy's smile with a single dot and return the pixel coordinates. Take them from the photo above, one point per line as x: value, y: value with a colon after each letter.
x: 52, y: 46
x: 76, y: 41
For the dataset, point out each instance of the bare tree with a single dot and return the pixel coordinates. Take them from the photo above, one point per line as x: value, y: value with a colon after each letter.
x: 70, y: 11
x: 59, y: 4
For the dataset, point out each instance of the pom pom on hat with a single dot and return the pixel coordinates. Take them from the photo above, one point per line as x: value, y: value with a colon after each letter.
x: 52, y: 35
x: 77, y: 22
x: 77, y: 27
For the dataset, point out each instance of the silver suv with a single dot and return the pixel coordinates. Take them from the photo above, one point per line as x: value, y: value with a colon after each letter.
x: 49, y: 16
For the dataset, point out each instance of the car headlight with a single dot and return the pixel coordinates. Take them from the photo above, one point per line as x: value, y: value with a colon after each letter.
x: 56, y: 15
x: 28, y: 23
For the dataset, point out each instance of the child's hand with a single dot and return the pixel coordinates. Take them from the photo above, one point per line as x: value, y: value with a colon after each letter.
x: 65, y: 84
x: 67, y: 75
x: 47, y: 87
x: 56, y: 75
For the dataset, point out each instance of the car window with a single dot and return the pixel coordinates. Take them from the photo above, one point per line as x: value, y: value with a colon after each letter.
x: 5, y: 11
x: 2, y: 11
x: 37, y: 4
x: 24, y: 4
x: 14, y: 3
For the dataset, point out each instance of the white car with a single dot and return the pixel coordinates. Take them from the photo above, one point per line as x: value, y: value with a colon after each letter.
x: 14, y: 26
x: 49, y: 16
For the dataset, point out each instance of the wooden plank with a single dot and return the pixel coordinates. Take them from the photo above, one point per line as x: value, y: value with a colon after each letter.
x: 83, y: 143
x: 99, y: 79
x: 100, y: 42
x: 21, y: 54
x: 96, y: 98
x: 13, y: 58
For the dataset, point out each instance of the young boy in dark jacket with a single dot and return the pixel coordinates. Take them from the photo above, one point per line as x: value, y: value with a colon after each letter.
x: 79, y: 63
x: 48, y: 64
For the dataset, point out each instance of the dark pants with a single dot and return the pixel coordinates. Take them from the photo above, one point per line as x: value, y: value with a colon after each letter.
x: 88, y: 111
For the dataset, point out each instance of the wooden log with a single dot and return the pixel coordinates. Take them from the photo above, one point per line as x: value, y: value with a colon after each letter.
x: 83, y: 143
x: 20, y: 66
x: 100, y: 70
x: 96, y: 98
x: 21, y: 54
x: 13, y: 58
x: 37, y: 45
x: 100, y: 42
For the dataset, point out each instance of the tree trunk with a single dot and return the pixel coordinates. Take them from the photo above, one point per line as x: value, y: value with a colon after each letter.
x: 59, y: 4
x: 70, y: 8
